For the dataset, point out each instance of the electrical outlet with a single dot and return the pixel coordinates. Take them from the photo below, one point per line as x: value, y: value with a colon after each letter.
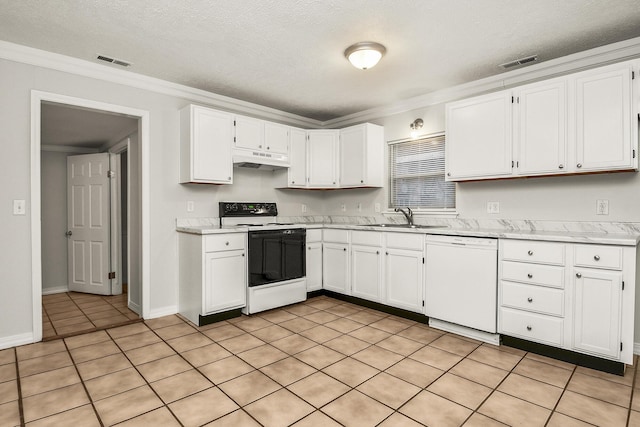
x: 191, y: 206
x: 343, y: 207
x: 19, y: 207
x: 493, y: 207
x: 602, y: 207
x: 359, y: 207
x: 304, y: 208
x: 377, y: 207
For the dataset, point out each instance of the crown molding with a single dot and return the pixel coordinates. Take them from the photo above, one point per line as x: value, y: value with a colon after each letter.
x: 608, y: 54
x: 55, y: 61
x: 615, y: 52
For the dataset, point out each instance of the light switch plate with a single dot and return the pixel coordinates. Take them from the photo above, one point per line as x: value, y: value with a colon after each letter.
x: 304, y: 208
x: 377, y: 207
x: 19, y: 207
x: 602, y: 207
x: 191, y: 206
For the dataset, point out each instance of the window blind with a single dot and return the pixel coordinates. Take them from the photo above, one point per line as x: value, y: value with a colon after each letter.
x: 416, y: 174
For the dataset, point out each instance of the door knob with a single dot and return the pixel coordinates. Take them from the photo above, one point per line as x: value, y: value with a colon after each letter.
x: 68, y: 233
x: 529, y: 275
x: 578, y: 275
x: 529, y: 299
x: 529, y: 328
x: 579, y: 165
x: 596, y: 257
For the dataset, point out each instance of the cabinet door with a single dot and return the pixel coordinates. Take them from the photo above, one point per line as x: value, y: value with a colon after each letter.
x: 603, y: 119
x: 211, y: 138
x: 249, y: 133
x: 276, y: 138
x: 542, y: 128
x: 322, y: 152
x: 335, y: 267
x: 479, y: 137
x: 365, y: 272
x: 298, y: 156
x: 596, y: 317
x: 403, y: 272
x: 314, y: 266
x: 353, y: 156
x: 225, y: 281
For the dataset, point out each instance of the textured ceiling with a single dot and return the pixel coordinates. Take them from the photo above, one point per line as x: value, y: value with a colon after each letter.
x: 288, y: 54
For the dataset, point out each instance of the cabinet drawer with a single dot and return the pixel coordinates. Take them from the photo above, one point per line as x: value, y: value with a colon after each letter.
x: 366, y: 238
x: 532, y: 298
x: 336, y: 236
x: 535, y: 252
x: 314, y: 235
x: 408, y: 241
x: 531, y: 326
x: 224, y: 242
x: 609, y: 257
x: 545, y: 275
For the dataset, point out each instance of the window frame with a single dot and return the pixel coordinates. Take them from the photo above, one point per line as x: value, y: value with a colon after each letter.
x: 447, y: 212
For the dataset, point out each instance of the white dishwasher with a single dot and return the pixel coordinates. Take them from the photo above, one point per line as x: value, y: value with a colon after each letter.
x: 461, y: 286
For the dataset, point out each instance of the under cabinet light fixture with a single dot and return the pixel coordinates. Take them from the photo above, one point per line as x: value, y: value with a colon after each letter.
x: 415, y: 126
x: 365, y: 55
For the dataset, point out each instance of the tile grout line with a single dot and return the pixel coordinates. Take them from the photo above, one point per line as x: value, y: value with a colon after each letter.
x: 19, y: 386
x: 142, y: 376
x: 564, y: 389
x: 633, y: 388
x: 84, y: 386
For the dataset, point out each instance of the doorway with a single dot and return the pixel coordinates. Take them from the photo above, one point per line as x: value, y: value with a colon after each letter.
x: 63, y: 127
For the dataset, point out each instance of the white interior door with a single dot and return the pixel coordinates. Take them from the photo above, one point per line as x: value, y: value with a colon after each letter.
x: 88, y: 218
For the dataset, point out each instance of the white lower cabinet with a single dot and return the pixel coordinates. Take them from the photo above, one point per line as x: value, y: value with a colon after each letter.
x: 314, y: 260
x: 213, y: 274
x: 571, y: 296
x: 597, y: 303
x: 225, y: 285
x: 384, y: 267
x: 403, y: 278
x: 335, y: 267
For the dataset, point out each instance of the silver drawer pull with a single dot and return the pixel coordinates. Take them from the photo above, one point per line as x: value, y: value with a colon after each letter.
x: 529, y: 299
x: 227, y: 243
x: 560, y: 166
x: 597, y: 257
x: 579, y: 165
x: 530, y: 276
x: 578, y: 275
x: 530, y: 253
x: 529, y: 328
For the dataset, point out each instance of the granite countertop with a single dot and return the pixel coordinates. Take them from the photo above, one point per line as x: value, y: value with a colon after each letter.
x: 621, y: 239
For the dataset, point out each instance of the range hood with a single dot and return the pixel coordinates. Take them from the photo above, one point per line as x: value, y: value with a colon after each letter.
x: 253, y: 159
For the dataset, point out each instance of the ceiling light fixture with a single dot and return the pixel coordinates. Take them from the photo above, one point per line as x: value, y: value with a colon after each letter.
x: 365, y: 55
x: 417, y: 124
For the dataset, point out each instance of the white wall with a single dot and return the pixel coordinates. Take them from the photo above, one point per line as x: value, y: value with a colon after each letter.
x: 54, y: 221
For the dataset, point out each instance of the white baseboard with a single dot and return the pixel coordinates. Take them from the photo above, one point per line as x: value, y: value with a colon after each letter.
x: 636, y: 348
x: 135, y: 307
x: 162, y: 311
x: 55, y: 290
x: 16, y: 340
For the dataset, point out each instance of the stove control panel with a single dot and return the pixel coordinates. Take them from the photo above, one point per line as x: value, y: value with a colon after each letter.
x: 247, y: 209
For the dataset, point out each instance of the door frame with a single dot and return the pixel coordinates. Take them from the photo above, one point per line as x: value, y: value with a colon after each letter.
x: 37, y: 98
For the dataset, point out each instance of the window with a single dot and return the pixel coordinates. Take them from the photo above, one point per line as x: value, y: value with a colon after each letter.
x: 416, y: 175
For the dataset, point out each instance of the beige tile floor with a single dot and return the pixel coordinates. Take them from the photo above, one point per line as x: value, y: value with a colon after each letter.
x: 319, y: 363
x: 72, y: 313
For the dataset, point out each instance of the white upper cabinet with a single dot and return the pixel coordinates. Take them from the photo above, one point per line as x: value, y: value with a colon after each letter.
x: 479, y: 137
x: 206, y: 137
x: 541, y: 115
x: 582, y: 122
x: 362, y: 156
x: 297, y: 175
x: 322, y: 155
x: 276, y: 138
x: 604, y: 131
x: 249, y: 133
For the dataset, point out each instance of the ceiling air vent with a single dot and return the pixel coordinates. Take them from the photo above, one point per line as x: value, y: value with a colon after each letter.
x: 113, y: 61
x: 521, y: 61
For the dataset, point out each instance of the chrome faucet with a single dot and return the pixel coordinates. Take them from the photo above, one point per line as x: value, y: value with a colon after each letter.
x: 408, y: 215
